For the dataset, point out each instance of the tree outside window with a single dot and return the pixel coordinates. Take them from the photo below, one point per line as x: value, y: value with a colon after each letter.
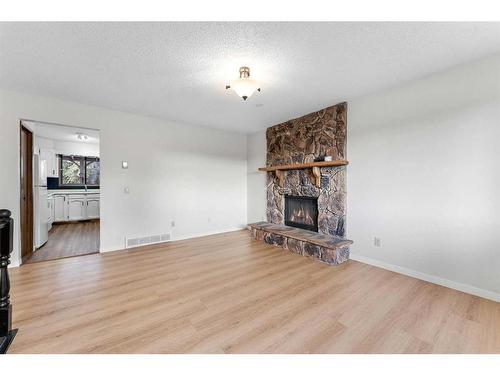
x: 92, y: 171
x: 79, y: 170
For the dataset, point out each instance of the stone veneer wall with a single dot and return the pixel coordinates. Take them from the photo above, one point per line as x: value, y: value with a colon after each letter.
x: 300, y: 141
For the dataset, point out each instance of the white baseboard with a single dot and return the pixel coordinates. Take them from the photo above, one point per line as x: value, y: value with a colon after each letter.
x: 14, y: 263
x: 488, y: 294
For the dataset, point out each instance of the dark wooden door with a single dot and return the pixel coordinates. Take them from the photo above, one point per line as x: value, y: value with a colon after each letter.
x: 26, y: 193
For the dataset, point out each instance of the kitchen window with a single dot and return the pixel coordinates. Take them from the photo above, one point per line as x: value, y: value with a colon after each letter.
x: 79, y: 170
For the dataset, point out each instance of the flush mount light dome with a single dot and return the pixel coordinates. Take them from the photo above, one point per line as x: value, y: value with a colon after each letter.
x: 244, y: 86
x: 82, y: 136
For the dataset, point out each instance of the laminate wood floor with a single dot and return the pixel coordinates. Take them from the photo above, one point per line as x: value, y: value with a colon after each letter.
x: 229, y: 293
x: 69, y: 240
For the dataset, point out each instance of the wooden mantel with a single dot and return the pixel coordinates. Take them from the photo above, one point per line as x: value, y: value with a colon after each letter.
x: 287, y: 167
x: 279, y: 170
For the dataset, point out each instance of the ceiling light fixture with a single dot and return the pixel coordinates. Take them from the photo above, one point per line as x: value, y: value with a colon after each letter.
x: 244, y: 86
x: 82, y: 136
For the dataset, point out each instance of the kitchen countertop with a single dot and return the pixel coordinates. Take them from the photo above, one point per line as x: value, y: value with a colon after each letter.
x: 73, y: 191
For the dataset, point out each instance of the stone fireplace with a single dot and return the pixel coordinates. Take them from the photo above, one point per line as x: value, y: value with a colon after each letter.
x: 306, y: 197
x: 301, y: 212
x: 318, y: 134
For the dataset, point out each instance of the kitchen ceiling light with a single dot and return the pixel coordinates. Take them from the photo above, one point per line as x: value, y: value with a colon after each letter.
x: 244, y: 86
x: 82, y: 136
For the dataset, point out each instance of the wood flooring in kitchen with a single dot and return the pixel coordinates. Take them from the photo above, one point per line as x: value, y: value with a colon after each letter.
x: 69, y: 240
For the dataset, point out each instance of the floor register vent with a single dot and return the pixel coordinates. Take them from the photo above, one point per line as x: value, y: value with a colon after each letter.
x: 134, y: 241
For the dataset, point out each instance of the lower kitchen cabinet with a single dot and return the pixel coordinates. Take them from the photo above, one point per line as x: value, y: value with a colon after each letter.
x: 50, y: 210
x: 60, y: 208
x: 72, y: 207
x: 93, y: 205
x: 76, y: 207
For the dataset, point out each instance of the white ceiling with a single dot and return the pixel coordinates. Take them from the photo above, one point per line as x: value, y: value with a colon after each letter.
x: 177, y: 71
x: 62, y: 132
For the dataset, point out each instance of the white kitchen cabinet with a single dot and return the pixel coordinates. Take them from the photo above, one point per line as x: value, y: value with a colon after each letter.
x: 51, y: 161
x: 56, y: 165
x: 76, y: 207
x: 60, y: 208
x: 93, y: 206
x: 71, y: 207
x: 50, y: 210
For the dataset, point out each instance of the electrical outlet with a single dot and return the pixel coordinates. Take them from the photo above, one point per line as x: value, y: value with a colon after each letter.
x: 376, y: 241
x: 172, y: 224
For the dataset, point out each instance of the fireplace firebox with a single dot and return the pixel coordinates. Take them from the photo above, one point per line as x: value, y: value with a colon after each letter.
x: 301, y: 212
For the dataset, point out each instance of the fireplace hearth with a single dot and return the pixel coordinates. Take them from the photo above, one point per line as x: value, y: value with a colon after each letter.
x: 301, y: 212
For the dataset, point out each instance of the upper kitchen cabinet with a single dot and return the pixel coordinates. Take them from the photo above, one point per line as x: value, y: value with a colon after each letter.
x: 51, y: 161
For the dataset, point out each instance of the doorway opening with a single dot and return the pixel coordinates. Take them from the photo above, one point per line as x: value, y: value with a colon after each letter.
x: 60, y: 168
x: 26, y: 165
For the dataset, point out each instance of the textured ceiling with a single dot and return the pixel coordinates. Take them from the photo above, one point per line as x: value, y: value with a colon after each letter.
x: 177, y: 71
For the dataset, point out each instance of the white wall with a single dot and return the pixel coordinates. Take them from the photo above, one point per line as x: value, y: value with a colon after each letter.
x: 256, y: 181
x: 68, y: 148
x: 39, y: 142
x: 191, y: 175
x: 424, y: 176
x: 76, y: 148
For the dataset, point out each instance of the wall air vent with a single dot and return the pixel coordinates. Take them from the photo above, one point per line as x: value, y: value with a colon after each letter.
x: 142, y: 240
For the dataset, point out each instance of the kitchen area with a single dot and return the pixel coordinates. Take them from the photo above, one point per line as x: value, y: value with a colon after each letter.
x: 66, y: 196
